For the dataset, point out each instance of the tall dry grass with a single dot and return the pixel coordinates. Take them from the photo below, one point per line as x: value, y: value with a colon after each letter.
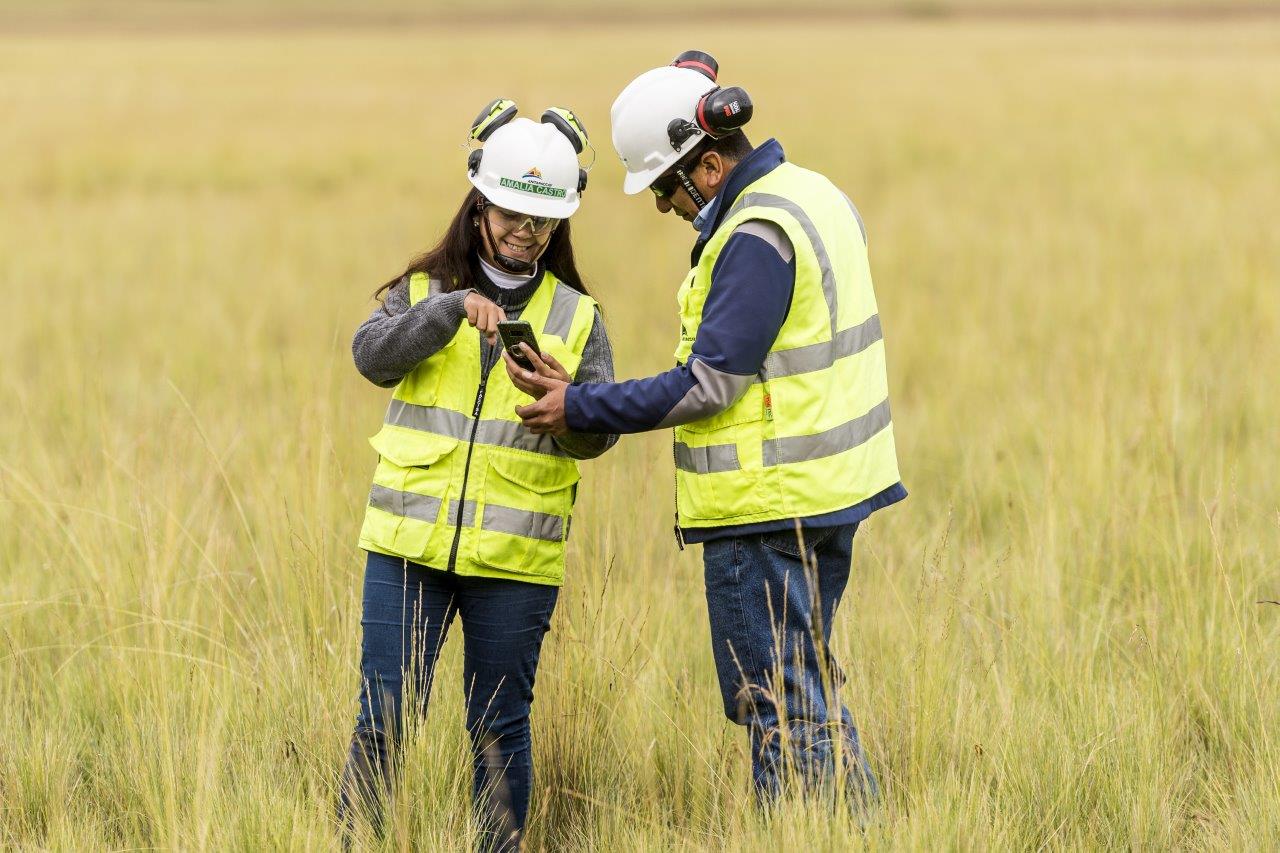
x: 1055, y: 643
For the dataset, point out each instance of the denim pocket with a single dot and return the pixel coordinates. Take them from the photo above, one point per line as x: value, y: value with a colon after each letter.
x: 788, y: 542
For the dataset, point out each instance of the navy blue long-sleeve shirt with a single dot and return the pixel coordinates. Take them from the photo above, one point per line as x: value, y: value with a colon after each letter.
x: 751, y: 287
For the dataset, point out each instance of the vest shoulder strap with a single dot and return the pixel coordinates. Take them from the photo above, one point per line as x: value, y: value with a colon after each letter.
x: 421, y: 286
x: 569, y: 312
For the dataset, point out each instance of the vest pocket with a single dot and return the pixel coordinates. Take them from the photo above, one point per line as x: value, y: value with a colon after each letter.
x: 410, y: 489
x: 719, y: 474
x: 411, y: 448
x: 525, y: 514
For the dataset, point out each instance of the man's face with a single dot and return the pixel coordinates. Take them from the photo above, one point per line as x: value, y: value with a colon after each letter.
x: 669, y: 194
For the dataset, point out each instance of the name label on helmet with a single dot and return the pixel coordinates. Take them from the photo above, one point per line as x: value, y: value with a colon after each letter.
x: 536, y: 189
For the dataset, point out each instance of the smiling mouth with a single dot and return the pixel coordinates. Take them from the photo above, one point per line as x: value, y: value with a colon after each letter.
x: 520, y: 250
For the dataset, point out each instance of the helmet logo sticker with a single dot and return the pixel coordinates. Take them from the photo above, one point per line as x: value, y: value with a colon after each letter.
x: 532, y: 182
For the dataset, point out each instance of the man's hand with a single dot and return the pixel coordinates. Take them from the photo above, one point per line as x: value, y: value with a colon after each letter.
x: 546, y: 416
x: 484, y: 314
x: 546, y: 384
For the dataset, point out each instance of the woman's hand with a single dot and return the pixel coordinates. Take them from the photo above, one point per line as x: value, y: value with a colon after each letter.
x: 544, y: 366
x: 484, y: 314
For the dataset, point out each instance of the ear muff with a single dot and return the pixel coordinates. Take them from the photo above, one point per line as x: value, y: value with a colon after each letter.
x: 495, y: 114
x: 569, y: 124
x: 722, y: 111
x: 572, y: 127
x: 718, y: 112
x: 704, y: 63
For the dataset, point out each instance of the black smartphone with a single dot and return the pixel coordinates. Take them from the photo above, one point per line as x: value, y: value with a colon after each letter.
x: 514, y: 333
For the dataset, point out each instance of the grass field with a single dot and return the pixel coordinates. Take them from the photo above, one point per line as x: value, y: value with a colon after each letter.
x: 1056, y: 642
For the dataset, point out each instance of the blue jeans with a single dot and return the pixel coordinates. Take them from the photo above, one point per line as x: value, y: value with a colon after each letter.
x: 407, y: 612
x: 771, y: 613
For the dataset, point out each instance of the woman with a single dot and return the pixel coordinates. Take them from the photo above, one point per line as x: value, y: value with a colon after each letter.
x: 469, y: 511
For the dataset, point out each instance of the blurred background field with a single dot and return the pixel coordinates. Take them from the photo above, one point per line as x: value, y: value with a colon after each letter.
x: 1061, y: 640
x: 498, y: 16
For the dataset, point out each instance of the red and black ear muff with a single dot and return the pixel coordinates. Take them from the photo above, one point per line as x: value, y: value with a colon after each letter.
x: 718, y: 112
x: 704, y: 63
x: 574, y: 130
x: 495, y: 114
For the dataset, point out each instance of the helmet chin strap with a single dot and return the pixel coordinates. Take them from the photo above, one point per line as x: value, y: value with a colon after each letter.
x: 511, y: 265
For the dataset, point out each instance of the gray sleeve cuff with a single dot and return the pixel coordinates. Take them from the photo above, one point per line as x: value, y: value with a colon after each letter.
x: 716, y: 391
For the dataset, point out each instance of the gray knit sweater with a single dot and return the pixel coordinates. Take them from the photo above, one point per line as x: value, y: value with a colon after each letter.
x: 398, y: 336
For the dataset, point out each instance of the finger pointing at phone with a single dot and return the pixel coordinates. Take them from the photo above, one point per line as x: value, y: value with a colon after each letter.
x: 484, y: 314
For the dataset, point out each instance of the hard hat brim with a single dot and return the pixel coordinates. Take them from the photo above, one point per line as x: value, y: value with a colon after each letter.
x: 636, y: 182
x: 532, y: 205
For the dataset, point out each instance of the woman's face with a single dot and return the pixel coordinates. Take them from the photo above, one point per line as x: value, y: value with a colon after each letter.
x: 518, y: 236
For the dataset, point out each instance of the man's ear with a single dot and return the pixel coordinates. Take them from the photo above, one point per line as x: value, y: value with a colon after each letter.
x: 713, y: 167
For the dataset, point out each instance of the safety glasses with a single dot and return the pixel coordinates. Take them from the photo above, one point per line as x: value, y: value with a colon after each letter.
x: 511, y: 221
x: 664, y: 186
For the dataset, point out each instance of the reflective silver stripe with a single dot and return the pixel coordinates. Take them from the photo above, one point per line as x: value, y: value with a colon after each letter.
x: 858, y: 216
x: 505, y: 519
x: 801, y: 448
x: 441, y: 421
x: 771, y: 233
x: 564, y: 303
x: 711, y: 459
x: 521, y: 522
x: 820, y: 356
x: 435, y: 287
x: 714, y: 392
x: 512, y: 434
x: 819, y: 249
x: 434, y: 419
x: 406, y: 504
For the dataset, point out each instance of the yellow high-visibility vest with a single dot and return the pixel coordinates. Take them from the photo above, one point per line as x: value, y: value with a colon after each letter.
x: 812, y: 434
x: 461, y: 484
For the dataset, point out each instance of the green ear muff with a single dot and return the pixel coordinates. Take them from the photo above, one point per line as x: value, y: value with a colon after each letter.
x: 495, y: 114
x: 570, y: 125
x: 574, y: 130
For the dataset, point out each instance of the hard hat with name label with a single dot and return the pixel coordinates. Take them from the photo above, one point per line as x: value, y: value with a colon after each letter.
x: 529, y: 167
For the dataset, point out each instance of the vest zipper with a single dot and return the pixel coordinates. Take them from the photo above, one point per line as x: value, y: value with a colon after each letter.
x: 471, y: 445
x: 676, y: 491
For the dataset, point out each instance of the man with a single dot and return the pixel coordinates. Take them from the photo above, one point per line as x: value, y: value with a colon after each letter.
x: 783, y: 440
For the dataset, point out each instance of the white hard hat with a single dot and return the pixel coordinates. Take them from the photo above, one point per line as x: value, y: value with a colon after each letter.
x: 640, y: 117
x: 529, y: 167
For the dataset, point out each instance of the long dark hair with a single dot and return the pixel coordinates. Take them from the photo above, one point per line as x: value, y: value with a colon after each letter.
x: 453, y: 260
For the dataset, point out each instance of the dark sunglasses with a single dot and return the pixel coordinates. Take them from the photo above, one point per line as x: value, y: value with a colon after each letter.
x: 664, y: 186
